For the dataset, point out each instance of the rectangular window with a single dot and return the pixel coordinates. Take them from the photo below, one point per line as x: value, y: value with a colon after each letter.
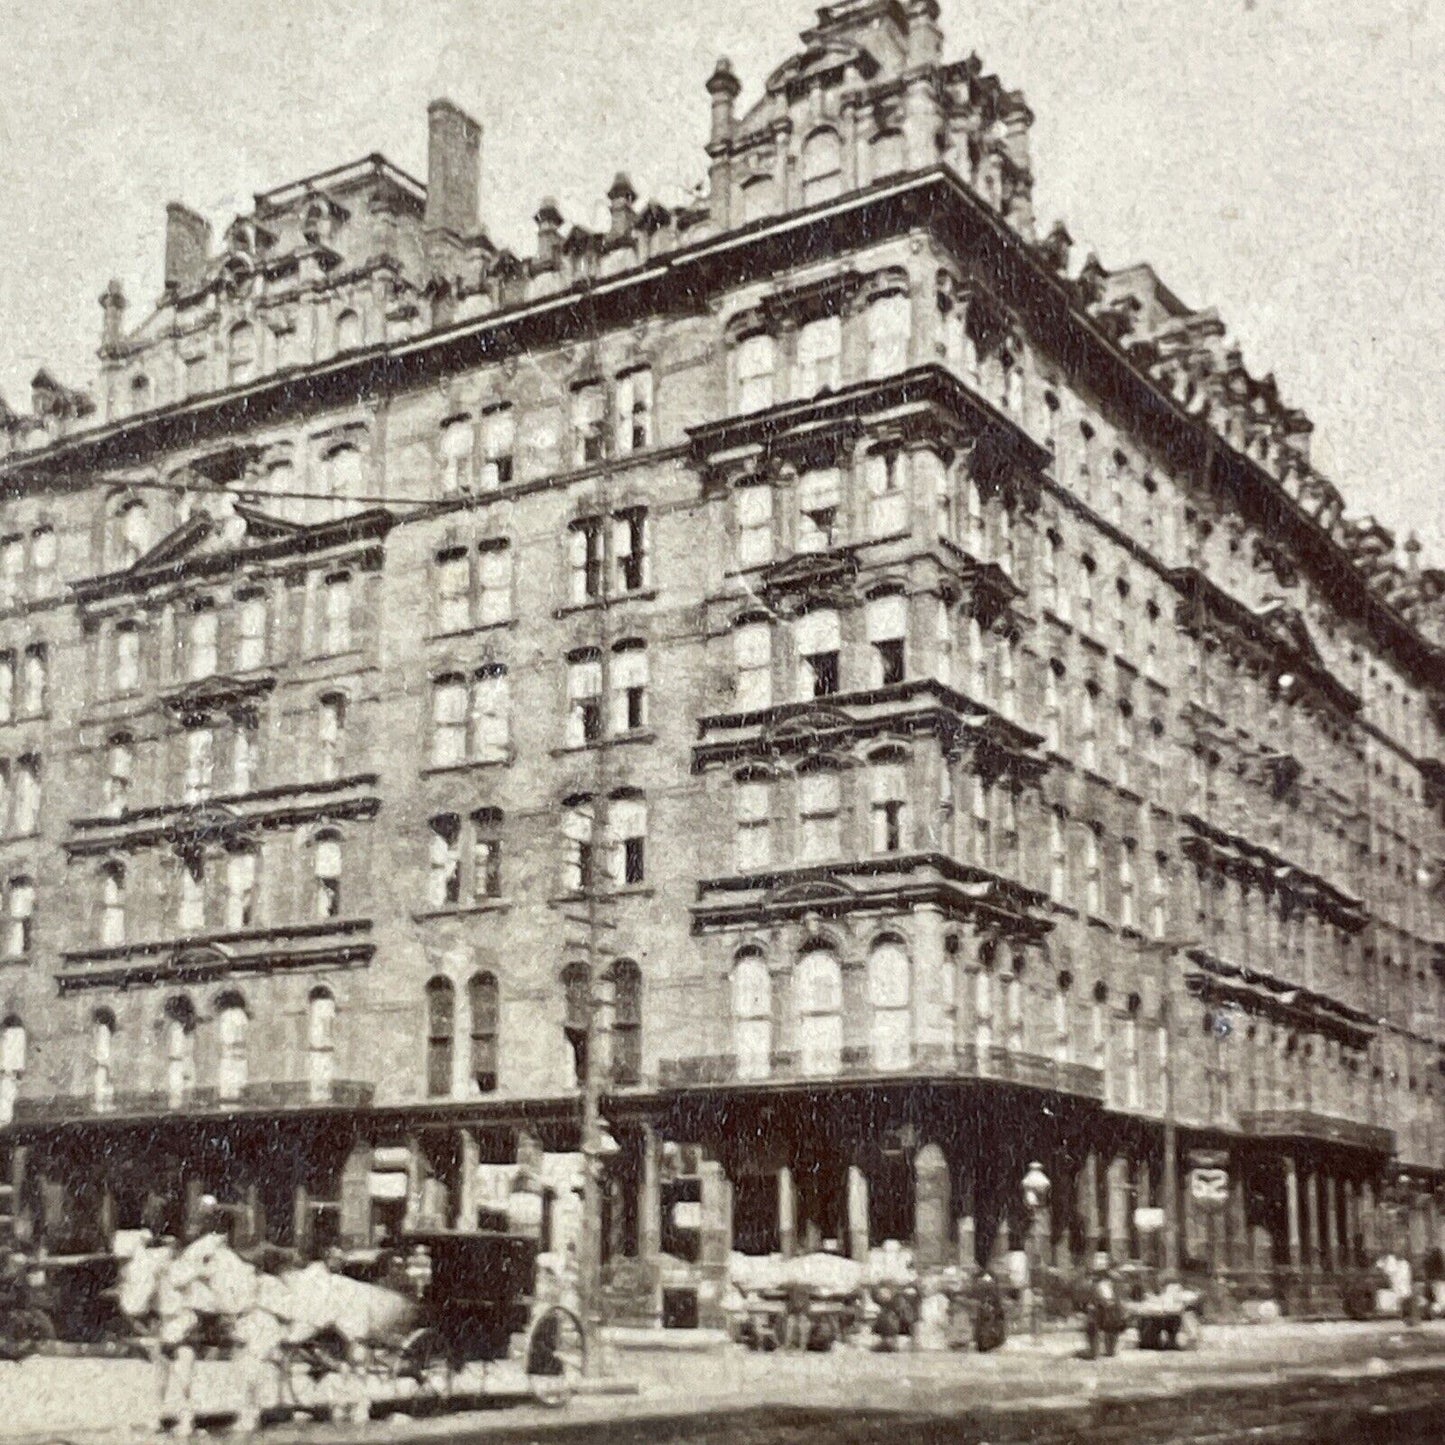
x: 589, y: 412
x: 251, y: 639
x: 819, y: 496
x: 890, y: 792
x: 634, y: 411
x: 201, y: 644
x: 818, y: 640
x: 753, y: 655
x: 629, y: 545
x: 890, y: 321
x: 454, y: 588
x: 755, y: 525
x: 756, y: 366
x: 491, y: 715
x: 586, y: 559
x: 584, y: 699
x: 494, y: 583
x: 331, y: 736
x: 499, y: 447
x: 243, y: 758
x: 32, y: 695
x: 7, y: 686
x: 336, y: 637
x: 819, y: 804
x: 200, y: 764
x: 887, y: 495
x: 627, y: 823
x: 191, y: 910
x: 753, y: 815
x: 820, y: 353
x: 487, y: 853
x: 887, y: 630
x: 240, y: 890
x: 127, y: 658
x: 449, y: 721
x: 328, y: 878
x: 20, y: 917
x: 27, y: 796
x: 444, y: 885
x: 120, y: 768
x: 577, y: 875
x: 12, y: 564
x: 629, y: 690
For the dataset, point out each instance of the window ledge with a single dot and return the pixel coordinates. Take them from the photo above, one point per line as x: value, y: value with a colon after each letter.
x: 469, y: 765
x: 1058, y: 621
x: 468, y: 910
x: 1094, y: 921
x: 504, y: 625
x: 595, y: 604
x: 611, y: 895
x: 642, y: 735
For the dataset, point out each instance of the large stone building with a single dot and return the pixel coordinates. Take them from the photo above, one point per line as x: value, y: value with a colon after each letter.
x: 927, y: 683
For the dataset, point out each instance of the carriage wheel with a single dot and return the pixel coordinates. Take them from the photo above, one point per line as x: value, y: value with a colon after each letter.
x: 556, y: 1356
x: 304, y: 1366
x: 425, y: 1360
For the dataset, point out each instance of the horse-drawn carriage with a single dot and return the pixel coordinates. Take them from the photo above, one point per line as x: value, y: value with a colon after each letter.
x: 442, y: 1315
x: 47, y: 1297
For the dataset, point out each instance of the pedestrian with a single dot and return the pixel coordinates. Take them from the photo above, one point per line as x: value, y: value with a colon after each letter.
x: 797, y: 1311
x: 1104, y: 1314
x: 990, y: 1316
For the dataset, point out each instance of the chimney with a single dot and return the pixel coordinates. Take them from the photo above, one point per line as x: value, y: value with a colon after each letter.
x: 724, y: 87
x: 453, y: 170
x: 621, y: 199
x: 549, y: 234
x: 112, y: 311
x: 188, y: 248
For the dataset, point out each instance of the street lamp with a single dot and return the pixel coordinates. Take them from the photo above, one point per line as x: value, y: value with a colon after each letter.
x: 1037, y: 1187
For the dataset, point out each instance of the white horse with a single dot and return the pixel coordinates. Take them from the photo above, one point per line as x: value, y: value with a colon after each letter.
x: 180, y: 1297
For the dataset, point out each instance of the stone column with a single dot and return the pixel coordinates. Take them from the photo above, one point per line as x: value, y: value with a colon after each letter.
x: 1088, y: 1189
x: 1118, y: 1208
x: 1235, y: 1226
x: 933, y: 1218
x: 468, y: 1157
x: 301, y: 1220
x: 649, y: 1204
x: 1352, y: 1221
x: 857, y: 1214
x: 787, y: 1213
x: 967, y: 1221
x: 1291, y: 1203
x: 1332, y: 1222
x: 1314, y: 1256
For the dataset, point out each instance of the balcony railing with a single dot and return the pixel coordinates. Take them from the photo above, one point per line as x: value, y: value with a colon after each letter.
x: 920, y: 1061
x: 258, y: 1098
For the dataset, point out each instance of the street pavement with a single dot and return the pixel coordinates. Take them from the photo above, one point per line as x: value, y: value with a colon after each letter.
x: 727, y: 1392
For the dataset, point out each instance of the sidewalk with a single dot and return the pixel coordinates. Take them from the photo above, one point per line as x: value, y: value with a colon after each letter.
x: 83, y: 1399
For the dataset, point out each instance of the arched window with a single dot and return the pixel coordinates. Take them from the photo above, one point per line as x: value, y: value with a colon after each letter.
x: 629, y: 685
x: 449, y: 720
x: 119, y: 773
x: 887, y: 622
x: 336, y: 614
x: 445, y: 861
x: 320, y: 1045
x: 34, y: 680
x: 326, y: 874
x: 232, y: 1027
x: 102, y: 1058
x: 820, y: 803
x: 191, y: 902
x: 819, y: 986
x: 241, y: 353
x: 757, y: 198
x: 112, y: 904
x: 341, y: 479
x: 42, y: 552
x: 12, y: 1065
x: 331, y: 735
x: 491, y: 713
x: 626, y: 1022
x: 889, y: 993
x: 19, y: 916
x: 818, y: 636
x: 180, y: 1030
x: 484, y: 1008
x: 441, y: 1024
x: 27, y: 795
x: 822, y: 166
x: 819, y: 364
x: 884, y: 473
x: 754, y: 504
x: 200, y: 764
x: 752, y: 989
x: 348, y: 330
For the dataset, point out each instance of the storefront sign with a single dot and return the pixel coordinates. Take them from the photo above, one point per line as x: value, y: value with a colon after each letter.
x: 1148, y: 1221
x: 1209, y: 1188
x: 386, y: 1184
x: 687, y: 1214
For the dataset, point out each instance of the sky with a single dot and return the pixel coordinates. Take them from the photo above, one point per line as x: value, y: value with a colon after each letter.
x: 1281, y: 160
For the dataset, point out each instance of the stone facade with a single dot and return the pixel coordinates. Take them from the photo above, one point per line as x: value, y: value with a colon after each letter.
x: 934, y: 681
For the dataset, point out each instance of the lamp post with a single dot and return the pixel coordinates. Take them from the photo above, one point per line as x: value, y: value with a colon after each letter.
x: 1037, y: 1187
